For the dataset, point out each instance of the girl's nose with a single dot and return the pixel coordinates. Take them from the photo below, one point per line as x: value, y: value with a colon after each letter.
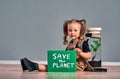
x: 72, y: 32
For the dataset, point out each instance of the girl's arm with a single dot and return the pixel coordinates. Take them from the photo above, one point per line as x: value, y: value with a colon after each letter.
x: 85, y: 55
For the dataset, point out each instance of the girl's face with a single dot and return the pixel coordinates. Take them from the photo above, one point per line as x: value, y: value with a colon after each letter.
x: 74, y: 30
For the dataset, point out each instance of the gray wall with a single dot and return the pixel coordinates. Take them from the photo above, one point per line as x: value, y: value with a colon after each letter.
x: 28, y: 28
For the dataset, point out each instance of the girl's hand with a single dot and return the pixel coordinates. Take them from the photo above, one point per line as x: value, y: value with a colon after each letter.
x: 78, y: 51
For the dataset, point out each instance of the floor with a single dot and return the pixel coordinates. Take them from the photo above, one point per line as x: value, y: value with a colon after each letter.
x: 8, y: 71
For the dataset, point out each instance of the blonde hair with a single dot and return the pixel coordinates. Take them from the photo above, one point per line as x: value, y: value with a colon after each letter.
x: 82, y: 31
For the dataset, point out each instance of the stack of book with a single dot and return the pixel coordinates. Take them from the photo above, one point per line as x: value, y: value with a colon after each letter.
x: 95, y: 32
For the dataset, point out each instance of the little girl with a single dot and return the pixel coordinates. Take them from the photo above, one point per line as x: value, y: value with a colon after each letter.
x: 76, y: 30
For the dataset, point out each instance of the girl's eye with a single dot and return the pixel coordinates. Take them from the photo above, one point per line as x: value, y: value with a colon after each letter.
x: 75, y: 30
x: 70, y: 30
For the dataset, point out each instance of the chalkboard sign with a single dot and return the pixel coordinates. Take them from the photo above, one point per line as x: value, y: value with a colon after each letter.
x: 61, y: 61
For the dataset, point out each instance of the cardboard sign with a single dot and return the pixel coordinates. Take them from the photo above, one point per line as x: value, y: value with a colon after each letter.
x: 61, y: 61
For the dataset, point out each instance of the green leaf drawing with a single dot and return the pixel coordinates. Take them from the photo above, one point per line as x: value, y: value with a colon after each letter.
x: 94, y: 46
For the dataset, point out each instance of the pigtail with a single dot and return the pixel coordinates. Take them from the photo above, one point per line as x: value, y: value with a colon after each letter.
x: 65, y: 31
x: 83, y: 28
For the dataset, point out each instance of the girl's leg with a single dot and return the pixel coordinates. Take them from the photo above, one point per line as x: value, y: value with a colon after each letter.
x: 32, y: 66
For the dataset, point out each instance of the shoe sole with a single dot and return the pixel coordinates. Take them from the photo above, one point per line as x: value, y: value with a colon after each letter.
x: 23, y: 65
